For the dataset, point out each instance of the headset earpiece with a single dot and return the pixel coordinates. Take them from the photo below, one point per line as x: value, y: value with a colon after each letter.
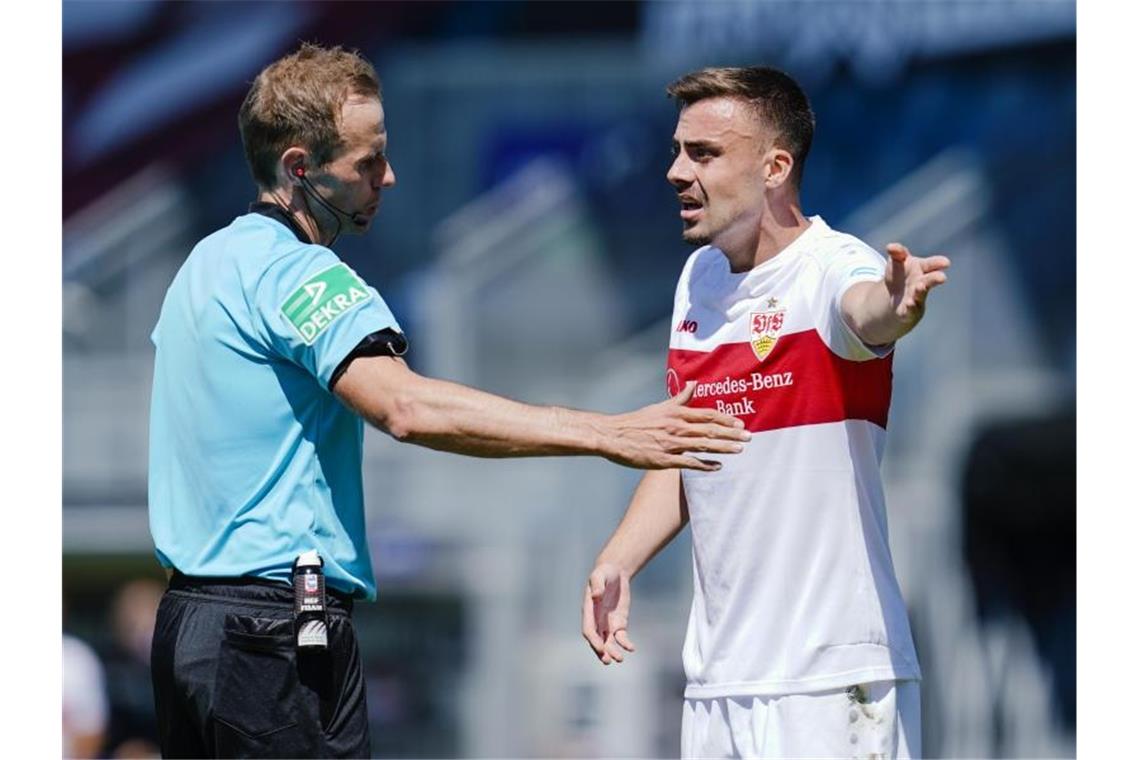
x: 299, y: 171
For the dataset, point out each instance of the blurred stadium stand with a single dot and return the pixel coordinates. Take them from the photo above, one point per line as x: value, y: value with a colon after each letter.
x: 531, y: 248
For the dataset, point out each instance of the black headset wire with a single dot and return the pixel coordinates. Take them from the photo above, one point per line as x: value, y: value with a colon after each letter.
x: 309, y: 190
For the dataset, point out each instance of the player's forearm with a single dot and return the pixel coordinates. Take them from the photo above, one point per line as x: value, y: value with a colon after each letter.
x: 656, y: 514
x: 871, y: 312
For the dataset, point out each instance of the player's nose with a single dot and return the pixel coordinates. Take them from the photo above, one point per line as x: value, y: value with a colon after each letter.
x: 680, y: 174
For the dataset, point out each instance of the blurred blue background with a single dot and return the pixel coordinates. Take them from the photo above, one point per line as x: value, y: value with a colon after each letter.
x: 531, y: 247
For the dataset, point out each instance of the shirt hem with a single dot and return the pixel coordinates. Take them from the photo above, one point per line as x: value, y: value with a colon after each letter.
x: 799, y: 685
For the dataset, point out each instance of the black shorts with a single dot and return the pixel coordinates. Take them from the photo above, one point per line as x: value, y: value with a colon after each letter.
x: 230, y: 682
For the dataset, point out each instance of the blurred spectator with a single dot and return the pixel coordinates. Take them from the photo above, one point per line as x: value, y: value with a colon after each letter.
x: 132, y: 731
x: 84, y: 700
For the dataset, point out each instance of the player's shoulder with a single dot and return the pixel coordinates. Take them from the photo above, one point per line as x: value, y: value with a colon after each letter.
x: 701, y: 262
x: 830, y: 245
x: 695, y: 273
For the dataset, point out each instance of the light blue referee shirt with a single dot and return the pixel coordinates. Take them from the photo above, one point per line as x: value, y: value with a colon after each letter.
x: 252, y: 459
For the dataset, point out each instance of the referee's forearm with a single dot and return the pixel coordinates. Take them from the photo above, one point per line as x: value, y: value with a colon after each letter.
x: 462, y: 420
x: 447, y: 416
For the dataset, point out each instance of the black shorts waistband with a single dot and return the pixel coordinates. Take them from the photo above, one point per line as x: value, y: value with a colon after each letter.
x: 252, y: 588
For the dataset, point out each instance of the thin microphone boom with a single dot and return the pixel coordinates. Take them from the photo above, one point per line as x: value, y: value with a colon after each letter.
x: 356, y: 216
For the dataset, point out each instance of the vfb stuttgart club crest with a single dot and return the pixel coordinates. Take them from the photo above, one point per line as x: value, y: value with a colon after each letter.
x: 765, y: 331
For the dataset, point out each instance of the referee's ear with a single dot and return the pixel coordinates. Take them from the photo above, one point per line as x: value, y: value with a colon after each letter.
x: 291, y: 167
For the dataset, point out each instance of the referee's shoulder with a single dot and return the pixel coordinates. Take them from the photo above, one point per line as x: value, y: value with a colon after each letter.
x: 285, y: 254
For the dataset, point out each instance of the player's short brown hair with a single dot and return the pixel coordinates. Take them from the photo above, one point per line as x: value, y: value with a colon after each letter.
x: 297, y: 100
x: 774, y: 96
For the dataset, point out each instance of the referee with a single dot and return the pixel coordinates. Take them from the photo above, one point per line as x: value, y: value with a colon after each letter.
x: 270, y: 354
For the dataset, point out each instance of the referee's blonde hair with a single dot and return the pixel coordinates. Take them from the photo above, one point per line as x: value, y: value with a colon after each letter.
x: 297, y: 100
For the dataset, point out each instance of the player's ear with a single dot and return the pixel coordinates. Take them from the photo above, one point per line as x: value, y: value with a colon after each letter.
x: 778, y: 163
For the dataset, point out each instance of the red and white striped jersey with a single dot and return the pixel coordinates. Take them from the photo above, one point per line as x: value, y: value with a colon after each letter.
x: 794, y: 588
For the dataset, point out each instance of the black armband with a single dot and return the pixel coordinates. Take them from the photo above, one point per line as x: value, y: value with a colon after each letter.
x: 386, y: 342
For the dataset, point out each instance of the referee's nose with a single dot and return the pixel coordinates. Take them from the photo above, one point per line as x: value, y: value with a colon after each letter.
x: 387, y: 175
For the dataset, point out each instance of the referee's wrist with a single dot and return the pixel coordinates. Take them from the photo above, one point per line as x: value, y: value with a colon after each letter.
x: 588, y: 429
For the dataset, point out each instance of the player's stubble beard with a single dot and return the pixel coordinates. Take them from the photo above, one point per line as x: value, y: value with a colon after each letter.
x: 694, y: 236
x: 703, y: 230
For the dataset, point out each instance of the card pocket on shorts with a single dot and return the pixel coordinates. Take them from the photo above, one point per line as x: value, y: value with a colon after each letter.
x: 255, y: 688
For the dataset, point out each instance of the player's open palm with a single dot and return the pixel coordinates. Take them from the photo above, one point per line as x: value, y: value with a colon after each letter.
x: 910, y: 279
x: 605, y: 613
x: 666, y: 435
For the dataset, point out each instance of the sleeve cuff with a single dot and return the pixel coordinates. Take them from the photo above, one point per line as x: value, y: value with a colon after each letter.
x: 861, y: 350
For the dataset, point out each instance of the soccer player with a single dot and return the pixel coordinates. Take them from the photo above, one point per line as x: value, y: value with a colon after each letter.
x: 270, y: 354
x: 797, y: 643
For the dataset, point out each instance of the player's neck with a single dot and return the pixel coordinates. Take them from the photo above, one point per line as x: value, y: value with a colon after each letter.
x: 779, y: 227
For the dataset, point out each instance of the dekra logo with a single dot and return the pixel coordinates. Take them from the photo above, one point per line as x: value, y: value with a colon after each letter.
x: 322, y: 299
x: 330, y: 310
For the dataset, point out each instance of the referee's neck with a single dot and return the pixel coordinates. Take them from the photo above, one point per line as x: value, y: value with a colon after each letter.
x: 292, y: 204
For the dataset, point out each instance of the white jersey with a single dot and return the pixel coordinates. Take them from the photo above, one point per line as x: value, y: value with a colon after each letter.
x: 794, y: 588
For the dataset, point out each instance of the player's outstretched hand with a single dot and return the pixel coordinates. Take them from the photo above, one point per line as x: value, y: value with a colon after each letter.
x: 910, y: 279
x: 667, y: 435
x: 605, y: 613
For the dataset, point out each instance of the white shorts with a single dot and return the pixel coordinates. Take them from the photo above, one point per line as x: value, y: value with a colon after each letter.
x: 872, y: 720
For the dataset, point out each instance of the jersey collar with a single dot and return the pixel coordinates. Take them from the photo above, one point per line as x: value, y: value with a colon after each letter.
x: 278, y: 214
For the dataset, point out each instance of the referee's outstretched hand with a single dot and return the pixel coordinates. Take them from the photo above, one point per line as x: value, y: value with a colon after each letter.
x: 605, y: 613
x: 669, y: 434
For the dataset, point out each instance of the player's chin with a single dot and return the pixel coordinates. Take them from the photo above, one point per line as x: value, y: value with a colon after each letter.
x: 695, y: 235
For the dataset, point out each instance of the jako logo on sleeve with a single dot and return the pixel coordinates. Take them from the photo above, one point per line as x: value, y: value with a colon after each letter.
x: 687, y: 326
x: 322, y: 299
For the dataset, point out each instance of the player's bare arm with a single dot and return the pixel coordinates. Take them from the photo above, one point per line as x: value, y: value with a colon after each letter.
x: 453, y: 417
x: 884, y: 311
x: 656, y: 514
